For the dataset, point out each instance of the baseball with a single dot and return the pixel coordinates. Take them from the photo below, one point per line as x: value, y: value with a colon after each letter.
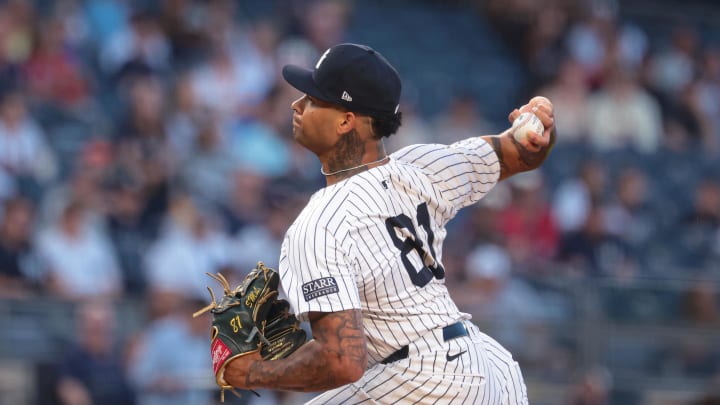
x: 526, y: 122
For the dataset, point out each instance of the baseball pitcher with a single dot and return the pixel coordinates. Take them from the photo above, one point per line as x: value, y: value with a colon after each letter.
x: 363, y: 262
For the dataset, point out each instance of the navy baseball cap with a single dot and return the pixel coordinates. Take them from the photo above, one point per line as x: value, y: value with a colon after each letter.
x: 353, y: 76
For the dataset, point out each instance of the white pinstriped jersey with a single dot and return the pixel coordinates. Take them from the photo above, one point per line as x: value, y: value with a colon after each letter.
x: 374, y: 242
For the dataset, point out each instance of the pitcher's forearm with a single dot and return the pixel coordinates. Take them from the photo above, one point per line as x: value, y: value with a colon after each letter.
x: 306, y: 370
x: 337, y: 356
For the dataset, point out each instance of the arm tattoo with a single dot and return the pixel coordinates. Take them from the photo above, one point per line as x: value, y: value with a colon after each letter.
x: 531, y: 160
x: 513, y: 157
x: 339, y: 341
x: 347, y: 329
x: 497, y: 145
x: 534, y: 159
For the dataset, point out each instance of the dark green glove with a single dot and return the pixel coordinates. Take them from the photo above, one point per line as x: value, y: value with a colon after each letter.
x: 283, y: 332
x: 239, y: 319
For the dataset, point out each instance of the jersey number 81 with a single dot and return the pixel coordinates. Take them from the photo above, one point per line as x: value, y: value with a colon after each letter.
x: 411, y: 243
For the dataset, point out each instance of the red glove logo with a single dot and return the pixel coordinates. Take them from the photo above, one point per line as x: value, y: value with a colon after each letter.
x: 220, y: 353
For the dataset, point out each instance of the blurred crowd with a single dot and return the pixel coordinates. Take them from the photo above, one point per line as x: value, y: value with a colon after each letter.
x: 145, y: 143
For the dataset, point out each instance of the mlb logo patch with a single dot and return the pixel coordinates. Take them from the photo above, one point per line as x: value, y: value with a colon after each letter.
x: 319, y: 287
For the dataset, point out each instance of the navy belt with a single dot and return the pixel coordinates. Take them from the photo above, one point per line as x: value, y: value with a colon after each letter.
x: 450, y: 332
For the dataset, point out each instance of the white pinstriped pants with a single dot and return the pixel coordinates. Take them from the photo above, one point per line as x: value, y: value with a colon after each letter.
x: 484, y: 374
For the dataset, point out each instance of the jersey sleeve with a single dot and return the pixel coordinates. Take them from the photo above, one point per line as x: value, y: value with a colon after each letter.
x: 463, y: 172
x: 317, y: 275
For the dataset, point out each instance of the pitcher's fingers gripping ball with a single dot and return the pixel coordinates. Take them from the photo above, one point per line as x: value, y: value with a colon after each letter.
x: 524, y: 124
x: 533, y: 123
x: 250, y: 319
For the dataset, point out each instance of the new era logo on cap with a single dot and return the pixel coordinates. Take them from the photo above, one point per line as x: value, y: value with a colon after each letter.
x: 354, y: 76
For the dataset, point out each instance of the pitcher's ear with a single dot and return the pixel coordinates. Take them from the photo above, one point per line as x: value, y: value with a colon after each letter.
x: 348, y: 123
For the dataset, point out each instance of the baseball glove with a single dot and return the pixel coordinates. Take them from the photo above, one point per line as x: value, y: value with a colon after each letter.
x: 282, y: 331
x: 249, y: 319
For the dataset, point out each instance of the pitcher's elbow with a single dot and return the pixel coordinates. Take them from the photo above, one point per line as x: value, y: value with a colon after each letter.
x: 354, y: 373
x: 347, y: 372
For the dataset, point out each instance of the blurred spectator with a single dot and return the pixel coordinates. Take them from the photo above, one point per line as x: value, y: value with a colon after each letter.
x: 76, y: 27
x: 185, y: 30
x: 221, y: 22
x: 460, y: 120
x: 504, y: 304
x: 678, y: 77
x: 92, y: 371
x: 716, y: 247
x: 207, y: 172
x: 706, y: 204
x: 629, y: 46
x: 594, y: 388
x: 706, y: 97
x: 188, y: 246
x: 79, y: 258
x: 593, y: 250
x: 24, y: 151
x: 85, y: 183
x: 262, y: 241
x: 474, y: 226
x: 575, y: 197
x: 106, y: 19
x: 139, y: 45
x: 700, y: 304
x: 254, y: 54
x: 515, y: 21
x: 171, y: 363
x: 622, y: 114
x: 543, y: 43
x: 569, y: 93
x: 183, y: 120
x: 686, y: 126
x: 260, y: 137
x: 691, y: 356
x: 527, y: 224
x: 630, y: 216
x: 53, y: 73
x: 247, y: 44
x: 673, y: 68
x: 699, y: 228
x: 246, y: 204
x: 16, y: 27
x: 129, y: 232
x: 589, y: 39
x: 240, y: 69
x: 8, y: 185
x: 324, y: 22
x: 144, y: 120
x: 143, y: 149
x: 218, y: 84
x: 709, y: 399
x: 271, y: 126
x: 16, y: 262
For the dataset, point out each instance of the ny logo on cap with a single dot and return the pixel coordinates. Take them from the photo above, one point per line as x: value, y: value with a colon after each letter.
x: 322, y: 58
